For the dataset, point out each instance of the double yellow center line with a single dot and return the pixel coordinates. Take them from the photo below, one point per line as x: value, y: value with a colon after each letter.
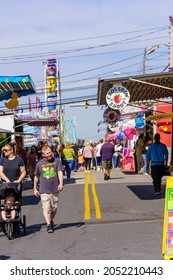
x: 87, y: 213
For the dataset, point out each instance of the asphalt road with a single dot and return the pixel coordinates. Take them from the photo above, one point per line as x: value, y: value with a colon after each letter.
x: 119, y: 219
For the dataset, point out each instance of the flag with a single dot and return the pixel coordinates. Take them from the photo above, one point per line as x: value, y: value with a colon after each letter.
x: 16, y: 110
x: 29, y: 104
x: 40, y: 105
x: 37, y: 101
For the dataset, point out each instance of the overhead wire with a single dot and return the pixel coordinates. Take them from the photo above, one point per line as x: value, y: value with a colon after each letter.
x: 82, y: 39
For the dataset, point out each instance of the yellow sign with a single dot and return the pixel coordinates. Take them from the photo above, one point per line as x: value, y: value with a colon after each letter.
x: 167, y: 240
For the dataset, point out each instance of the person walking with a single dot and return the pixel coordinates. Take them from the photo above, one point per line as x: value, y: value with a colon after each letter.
x: 75, y: 163
x: 31, y: 162
x: 116, y: 159
x: 157, y: 156
x: 139, y: 148
x: 68, y: 156
x: 98, y: 156
x: 49, y: 172
x: 39, y: 149
x: 12, y: 167
x: 106, y: 152
x: 146, y: 171
x: 88, y: 154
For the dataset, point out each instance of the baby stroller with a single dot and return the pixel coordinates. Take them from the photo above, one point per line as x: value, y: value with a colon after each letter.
x: 11, y: 226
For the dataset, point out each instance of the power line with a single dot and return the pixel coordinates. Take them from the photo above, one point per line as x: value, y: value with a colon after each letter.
x: 41, y: 55
x: 83, y: 39
x: 96, y: 68
x: 65, y: 101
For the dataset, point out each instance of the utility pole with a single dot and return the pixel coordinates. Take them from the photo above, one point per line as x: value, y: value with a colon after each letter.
x: 171, y: 70
x: 144, y: 61
x: 60, y: 111
x: 171, y: 43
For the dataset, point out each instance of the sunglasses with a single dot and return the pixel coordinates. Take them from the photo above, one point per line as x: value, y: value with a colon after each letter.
x: 6, y: 150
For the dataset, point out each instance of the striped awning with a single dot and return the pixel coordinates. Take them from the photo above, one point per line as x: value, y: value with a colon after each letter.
x: 141, y: 88
x: 38, y: 122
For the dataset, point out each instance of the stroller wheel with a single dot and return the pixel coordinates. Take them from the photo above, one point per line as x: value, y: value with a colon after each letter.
x: 9, y: 230
x: 24, y: 225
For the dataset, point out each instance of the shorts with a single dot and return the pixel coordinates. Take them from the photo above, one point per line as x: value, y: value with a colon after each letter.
x: 49, y: 202
x: 107, y: 164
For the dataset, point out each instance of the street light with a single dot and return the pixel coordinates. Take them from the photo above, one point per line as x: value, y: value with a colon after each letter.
x: 148, y: 51
x: 153, y: 48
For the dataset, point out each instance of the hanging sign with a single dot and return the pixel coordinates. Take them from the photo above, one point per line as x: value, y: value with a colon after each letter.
x: 115, y: 126
x: 117, y: 97
x: 111, y: 116
x: 167, y: 240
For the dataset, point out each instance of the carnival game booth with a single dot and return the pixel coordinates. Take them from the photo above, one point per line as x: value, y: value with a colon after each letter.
x: 131, y: 123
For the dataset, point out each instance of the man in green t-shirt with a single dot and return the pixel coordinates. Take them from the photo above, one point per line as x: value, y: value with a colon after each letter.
x: 49, y: 172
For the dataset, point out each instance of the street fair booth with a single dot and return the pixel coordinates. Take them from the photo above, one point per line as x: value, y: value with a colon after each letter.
x: 37, y: 124
x: 13, y: 87
x: 128, y: 101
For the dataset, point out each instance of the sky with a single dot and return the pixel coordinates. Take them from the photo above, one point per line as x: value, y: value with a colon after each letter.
x: 91, y: 39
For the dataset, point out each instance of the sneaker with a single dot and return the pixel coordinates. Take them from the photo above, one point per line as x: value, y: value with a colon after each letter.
x: 49, y: 229
x: 105, y: 177
x: 146, y: 174
x: 157, y: 193
x: 52, y: 224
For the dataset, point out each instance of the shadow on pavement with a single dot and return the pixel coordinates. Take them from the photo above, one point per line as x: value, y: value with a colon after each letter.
x: 72, y: 181
x: 30, y: 200
x: 37, y: 227
x: 146, y: 192
x: 62, y: 226
x: 2, y: 257
x: 34, y: 228
x: 116, y: 178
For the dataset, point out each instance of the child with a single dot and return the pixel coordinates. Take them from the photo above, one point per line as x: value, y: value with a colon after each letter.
x: 9, y: 209
x: 80, y: 161
x: 171, y: 168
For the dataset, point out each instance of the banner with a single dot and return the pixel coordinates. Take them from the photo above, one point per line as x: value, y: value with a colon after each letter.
x: 167, y: 240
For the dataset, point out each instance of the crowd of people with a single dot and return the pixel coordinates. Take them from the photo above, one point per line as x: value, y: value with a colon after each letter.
x: 46, y: 166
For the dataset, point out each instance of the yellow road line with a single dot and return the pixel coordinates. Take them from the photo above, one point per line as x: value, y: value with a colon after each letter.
x: 87, y: 215
x: 95, y: 197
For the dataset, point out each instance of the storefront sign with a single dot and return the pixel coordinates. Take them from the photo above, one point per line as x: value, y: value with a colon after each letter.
x: 167, y: 241
x: 111, y: 116
x: 116, y: 126
x: 117, y: 97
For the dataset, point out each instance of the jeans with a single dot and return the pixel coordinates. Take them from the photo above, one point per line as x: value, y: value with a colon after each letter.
x: 99, y: 161
x: 114, y: 161
x: 87, y: 163
x: 145, y: 163
x: 68, y: 166
x: 75, y: 163
x: 157, y: 172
